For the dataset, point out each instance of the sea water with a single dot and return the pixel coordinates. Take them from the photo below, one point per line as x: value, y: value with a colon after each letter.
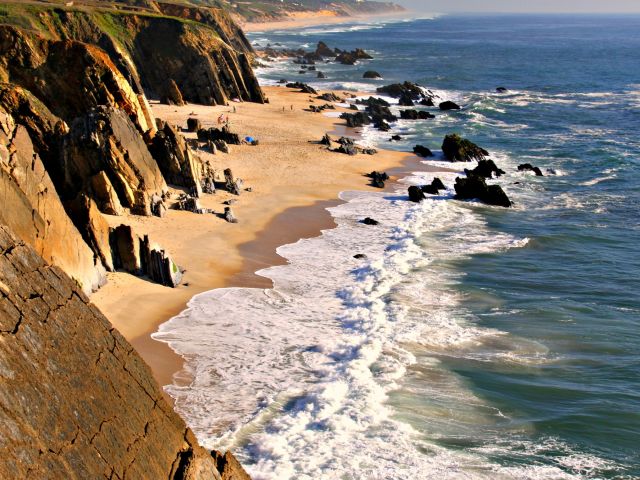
x: 472, y: 341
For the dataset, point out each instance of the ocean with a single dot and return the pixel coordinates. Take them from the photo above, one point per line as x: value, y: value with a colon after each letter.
x: 472, y: 342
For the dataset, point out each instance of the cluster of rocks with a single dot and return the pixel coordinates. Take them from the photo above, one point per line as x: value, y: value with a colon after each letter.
x: 217, y: 135
x: 346, y: 145
x: 408, y: 94
x: 475, y: 187
x: 321, y: 108
x: 378, y: 178
x: 527, y: 167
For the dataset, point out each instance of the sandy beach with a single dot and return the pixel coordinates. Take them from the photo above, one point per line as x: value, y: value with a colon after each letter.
x: 293, y: 180
x: 311, y: 19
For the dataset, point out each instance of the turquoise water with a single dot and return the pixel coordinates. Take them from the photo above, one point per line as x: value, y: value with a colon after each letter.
x: 474, y: 342
x: 573, y: 106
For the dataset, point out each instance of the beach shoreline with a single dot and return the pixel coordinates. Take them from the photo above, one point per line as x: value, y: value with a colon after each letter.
x: 304, y: 180
x: 314, y: 20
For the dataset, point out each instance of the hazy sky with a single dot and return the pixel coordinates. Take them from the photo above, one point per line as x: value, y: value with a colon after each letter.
x: 582, y: 6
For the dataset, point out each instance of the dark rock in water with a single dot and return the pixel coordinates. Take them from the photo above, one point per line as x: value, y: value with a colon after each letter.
x: 371, y: 74
x: 350, y: 58
x: 302, y: 72
x: 530, y: 168
x: 395, y: 138
x: 427, y: 102
x: 330, y: 97
x: 353, y: 107
x: 449, y: 105
x: 193, y: 124
x: 501, y: 90
x: 382, y: 126
x: 321, y: 75
x: 460, y: 149
x: 371, y: 101
x: 485, y: 169
x: 435, y: 187
x: 355, y: 120
x: 422, y: 151
x: 415, y: 194
x: 475, y: 187
x: 397, y: 90
x: 415, y: 115
x: 323, y: 50
x: 359, y: 256
x: 405, y: 100
x: 282, y: 81
x: 380, y: 114
x: 370, y: 221
x: 304, y: 88
x: 311, y: 69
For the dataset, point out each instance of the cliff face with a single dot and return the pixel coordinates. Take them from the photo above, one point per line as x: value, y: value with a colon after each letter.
x: 32, y: 208
x: 76, y: 401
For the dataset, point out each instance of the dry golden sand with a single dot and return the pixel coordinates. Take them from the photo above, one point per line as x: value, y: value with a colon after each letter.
x: 292, y: 178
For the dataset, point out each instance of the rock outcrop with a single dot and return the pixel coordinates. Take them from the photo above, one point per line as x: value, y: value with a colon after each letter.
x: 32, y: 209
x: 105, y: 140
x: 76, y: 401
x: 475, y: 187
x: 456, y: 148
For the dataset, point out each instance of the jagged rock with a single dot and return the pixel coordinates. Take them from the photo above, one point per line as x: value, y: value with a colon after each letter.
x: 456, y: 148
x: 106, y: 140
x: 407, y: 90
x: 405, y: 100
x: 528, y: 167
x: 350, y: 58
x: 485, y: 169
x: 229, y: 467
x: 330, y: 97
x: 347, y: 149
x: 193, y: 124
x: 93, y: 228
x: 326, y: 140
x: 475, y: 187
x: 427, y: 102
x: 77, y: 400
x: 324, y: 51
x: 178, y: 164
x: 304, y: 88
x: 435, y: 187
x: 32, y: 208
x: 422, y: 151
x: 449, y: 105
x: 171, y: 94
x: 415, y: 194
x: 125, y: 248
x: 229, y: 216
x: 104, y: 194
x: 232, y: 184
x: 222, y: 146
x: 371, y: 74
x: 355, y: 120
x: 415, y: 115
x: 158, y: 266
x: 370, y: 221
x: 188, y: 203
x: 321, y: 108
x: 158, y: 207
x: 380, y: 113
x: 373, y: 101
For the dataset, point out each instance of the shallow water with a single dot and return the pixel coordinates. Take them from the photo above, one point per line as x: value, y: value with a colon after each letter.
x: 473, y: 342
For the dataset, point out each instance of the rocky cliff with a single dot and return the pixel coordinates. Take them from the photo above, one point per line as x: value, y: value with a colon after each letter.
x: 76, y: 401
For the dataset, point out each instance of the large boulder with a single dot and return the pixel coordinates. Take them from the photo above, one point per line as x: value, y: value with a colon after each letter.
x: 416, y: 194
x: 475, y: 187
x: 407, y: 90
x: 355, y: 120
x: 449, y: 105
x: 371, y: 74
x: 422, y: 151
x: 322, y: 50
x: 456, y: 148
x: 486, y: 169
x: 527, y: 167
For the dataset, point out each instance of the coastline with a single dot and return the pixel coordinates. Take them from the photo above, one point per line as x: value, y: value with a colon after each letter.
x: 314, y: 19
x: 216, y: 254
